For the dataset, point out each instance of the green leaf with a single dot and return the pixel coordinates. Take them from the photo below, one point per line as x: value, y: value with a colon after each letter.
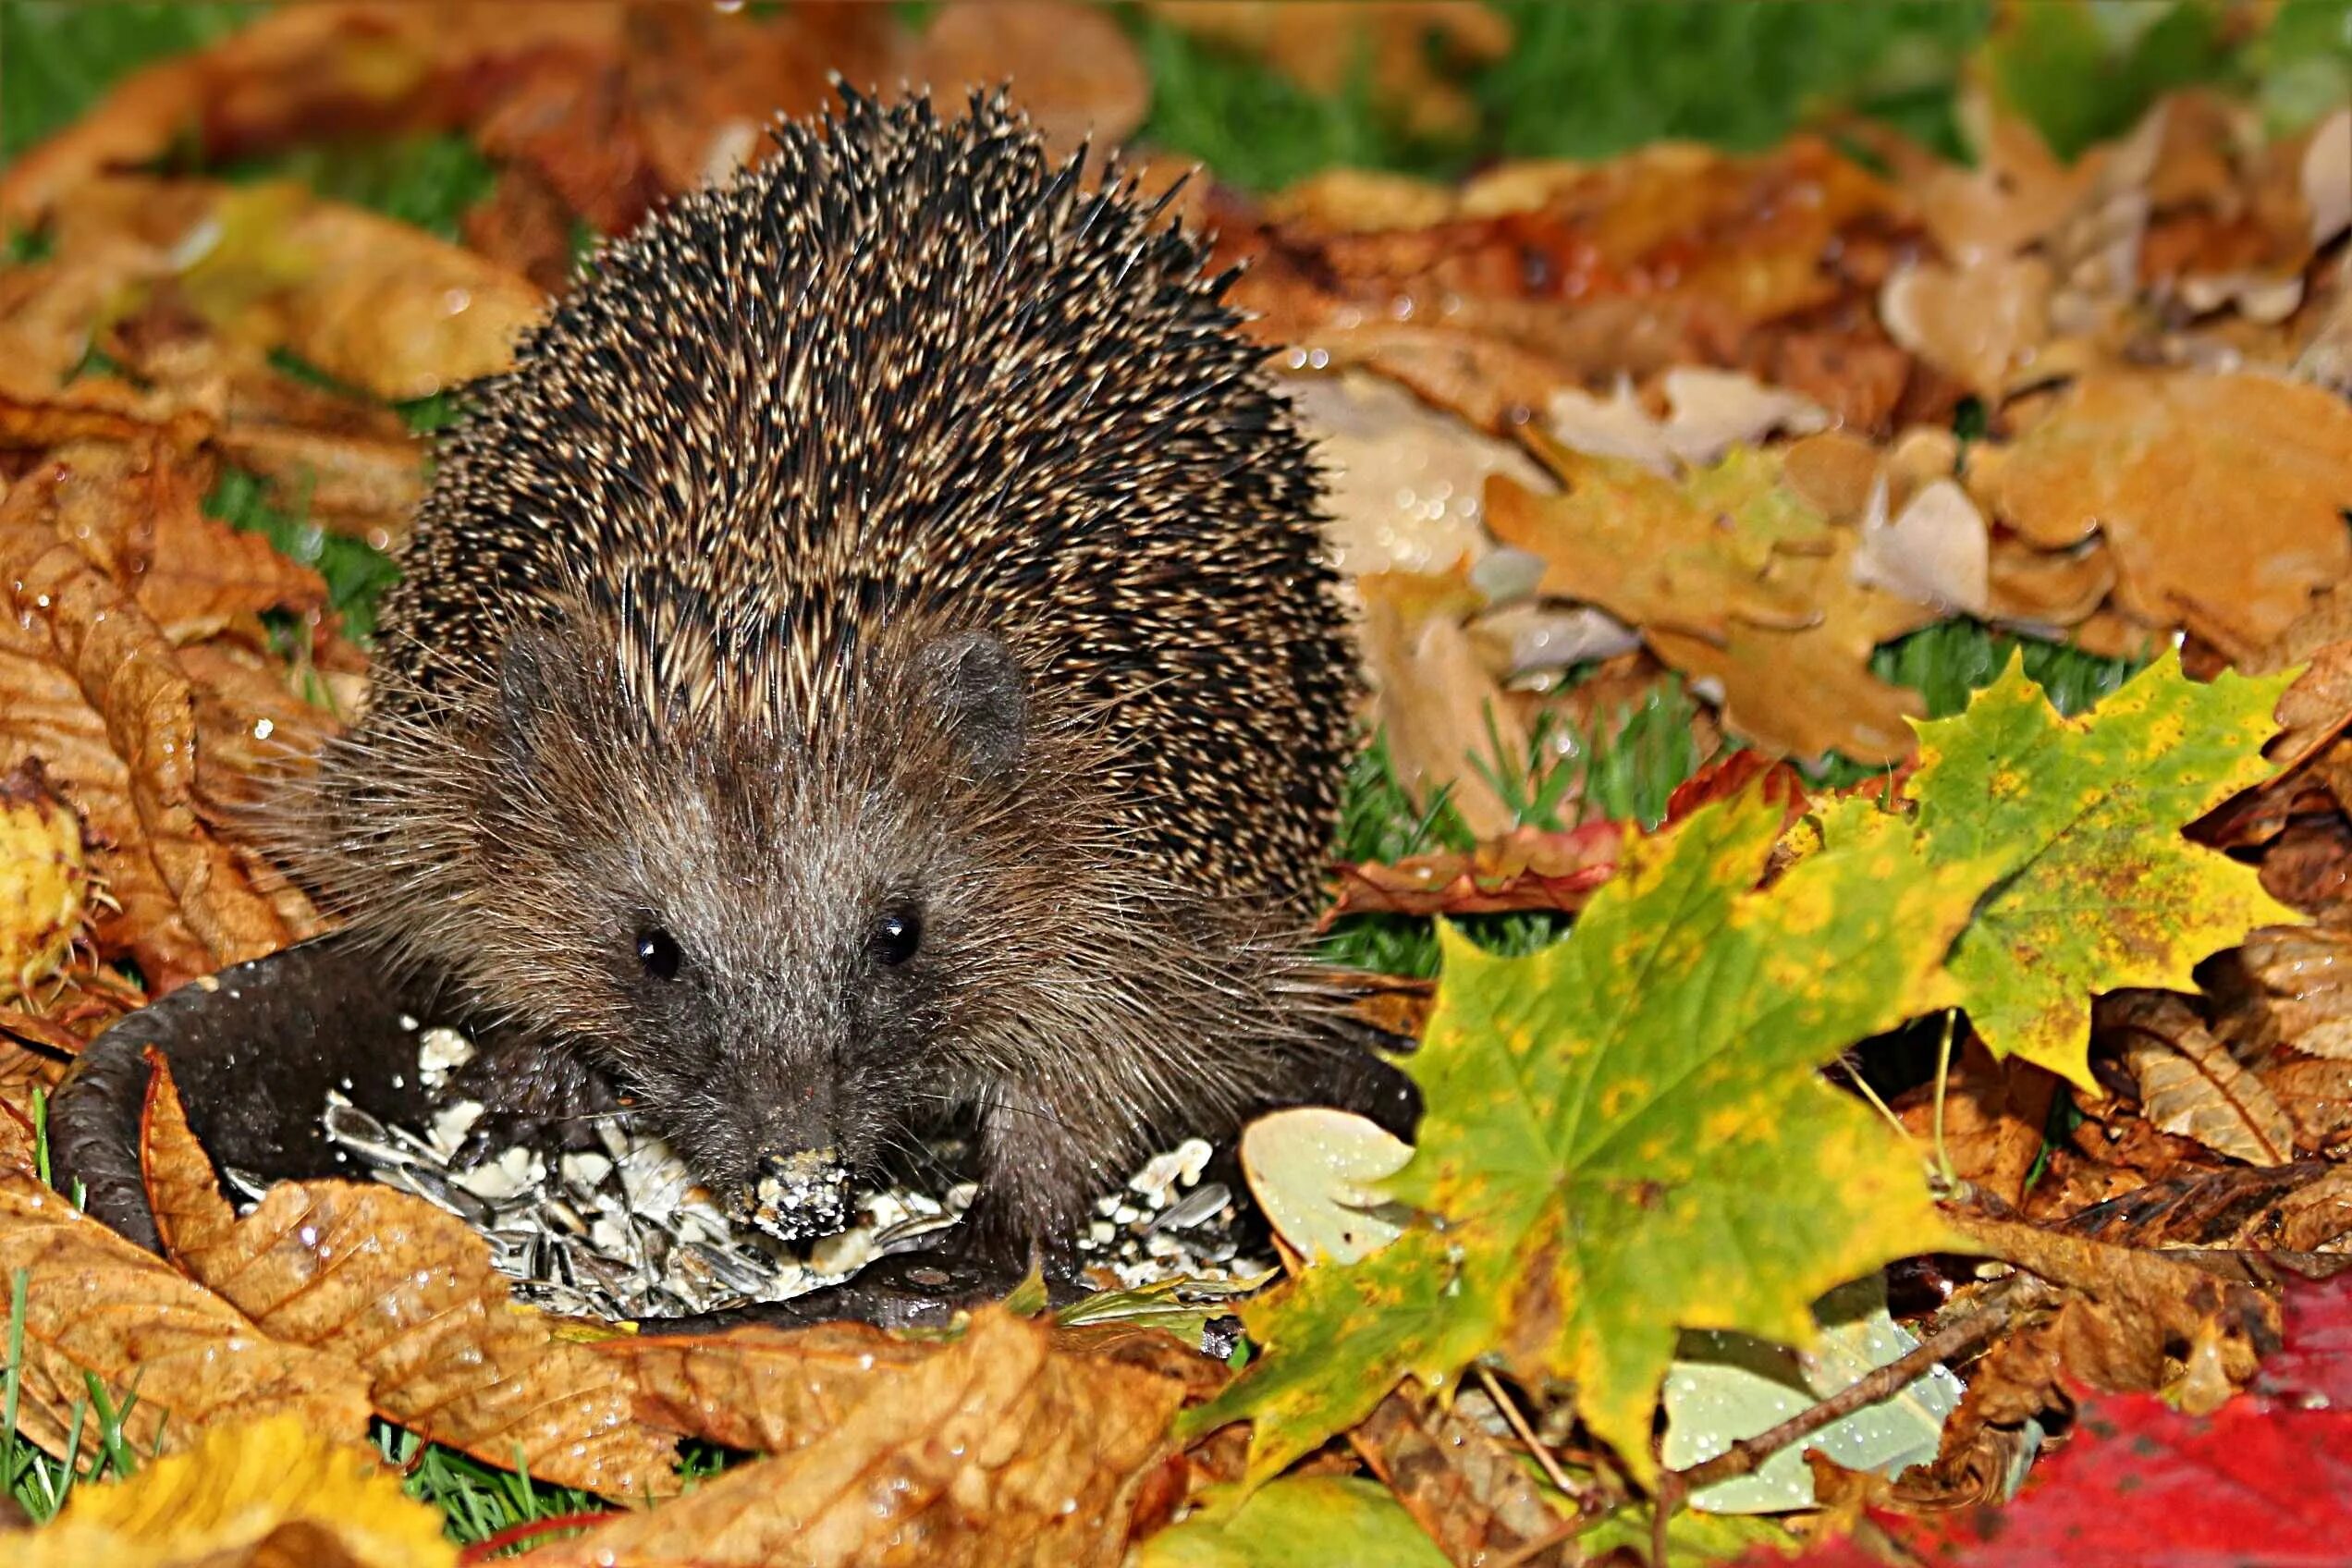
x: 2098, y: 890
x: 1626, y: 1135
x: 1305, y: 1519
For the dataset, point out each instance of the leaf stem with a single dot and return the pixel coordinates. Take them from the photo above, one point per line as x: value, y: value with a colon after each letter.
x: 1744, y: 1457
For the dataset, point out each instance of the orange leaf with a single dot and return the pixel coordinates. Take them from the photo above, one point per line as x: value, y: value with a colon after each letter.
x: 995, y: 1449
x: 96, y: 1304
x: 407, y: 1292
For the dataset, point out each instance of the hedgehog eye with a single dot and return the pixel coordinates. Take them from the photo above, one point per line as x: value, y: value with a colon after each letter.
x: 897, y: 935
x: 657, y: 950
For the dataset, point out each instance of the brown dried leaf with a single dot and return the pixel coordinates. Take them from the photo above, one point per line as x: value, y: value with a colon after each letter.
x: 1073, y: 70
x: 97, y: 692
x: 2221, y: 497
x: 1471, y: 1493
x: 350, y: 67
x: 2189, y: 1084
x: 2131, y: 1307
x: 2304, y: 1207
x: 1806, y: 692
x: 96, y: 1304
x: 1433, y: 695
x: 1527, y: 869
x: 1993, y: 1114
x: 1690, y: 556
x: 766, y: 1390
x: 2301, y: 978
x: 1978, y: 325
x: 407, y: 1292
x: 995, y: 1449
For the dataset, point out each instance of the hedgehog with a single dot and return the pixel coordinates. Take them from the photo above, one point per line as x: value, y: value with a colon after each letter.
x: 871, y: 659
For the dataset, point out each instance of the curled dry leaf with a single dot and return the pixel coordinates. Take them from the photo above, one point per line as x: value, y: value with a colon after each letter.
x: 1993, y: 1120
x: 1472, y: 1492
x: 97, y: 692
x: 1528, y: 868
x: 2189, y: 1084
x: 994, y: 1449
x: 2302, y: 988
x: 268, y: 1493
x: 2221, y: 497
x: 95, y: 1304
x: 2129, y: 1307
x: 405, y: 1292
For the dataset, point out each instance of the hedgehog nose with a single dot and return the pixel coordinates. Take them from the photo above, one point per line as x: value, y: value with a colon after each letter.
x: 797, y: 1197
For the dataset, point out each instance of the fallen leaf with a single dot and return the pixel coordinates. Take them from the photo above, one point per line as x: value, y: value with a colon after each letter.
x: 97, y: 1306
x: 760, y: 1388
x: 254, y: 1495
x: 2101, y: 892
x: 1470, y: 1492
x: 1528, y: 868
x: 1808, y: 691
x: 1709, y: 412
x: 992, y: 1450
x: 384, y: 1281
x: 1295, y: 1520
x: 1315, y: 1173
x: 1686, y: 557
x: 2130, y: 1307
x: 2189, y: 1084
x: 1433, y: 696
x: 1978, y: 325
x: 1992, y: 1117
x: 1075, y: 71
x: 1405, y: 484
x: 97, y: 692
x: 1935, y: 551
x: 2221, y: 497
x: 1589, y: 1081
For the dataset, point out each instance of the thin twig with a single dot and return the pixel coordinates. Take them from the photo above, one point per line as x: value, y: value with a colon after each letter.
x: 1510, y: 1408
x: 1746, y: 1457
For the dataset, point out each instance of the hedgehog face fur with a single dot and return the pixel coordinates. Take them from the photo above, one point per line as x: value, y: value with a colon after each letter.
x: 872, y: 654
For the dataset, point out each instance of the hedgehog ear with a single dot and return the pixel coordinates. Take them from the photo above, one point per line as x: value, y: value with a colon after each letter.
x: 978, y: 685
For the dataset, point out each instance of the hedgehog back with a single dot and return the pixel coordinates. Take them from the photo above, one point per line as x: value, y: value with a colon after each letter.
x: 909, y: 374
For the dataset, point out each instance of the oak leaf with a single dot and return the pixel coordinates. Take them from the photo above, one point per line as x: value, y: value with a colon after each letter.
x: 1809, y: 691
x: 1611, y: 1149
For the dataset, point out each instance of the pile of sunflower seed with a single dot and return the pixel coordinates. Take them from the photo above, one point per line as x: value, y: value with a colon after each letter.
x: 624, y: 1230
